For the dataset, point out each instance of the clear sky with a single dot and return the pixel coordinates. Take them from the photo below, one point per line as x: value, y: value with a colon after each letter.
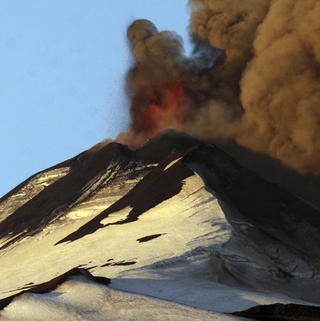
x: 62, y: 70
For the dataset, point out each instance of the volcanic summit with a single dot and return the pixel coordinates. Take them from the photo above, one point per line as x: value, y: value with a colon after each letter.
x: 175, y: 215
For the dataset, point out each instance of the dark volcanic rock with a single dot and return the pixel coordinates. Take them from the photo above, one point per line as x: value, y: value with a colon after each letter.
x: 275, y: 240
x: 276, y: 236
x: 62, y: 195
x: 282, y: 312
x: 148, y: 238
x: 156, y: 187
x: 87, y: 174
x: 54, y: 283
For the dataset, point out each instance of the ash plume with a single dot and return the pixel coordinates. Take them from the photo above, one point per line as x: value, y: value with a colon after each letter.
x: 272, y: 69
x: 254, y: 78
x: 166, y: 87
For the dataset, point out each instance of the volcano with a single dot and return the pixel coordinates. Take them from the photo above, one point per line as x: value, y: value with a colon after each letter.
x: 178, y: 220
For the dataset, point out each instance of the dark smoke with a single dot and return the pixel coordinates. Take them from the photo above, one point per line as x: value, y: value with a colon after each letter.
x: 167, y: 88
x: 254, y: 77
x: 273, y: 66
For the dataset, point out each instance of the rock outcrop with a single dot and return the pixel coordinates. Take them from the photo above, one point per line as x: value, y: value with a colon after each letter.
x: 282, y: 312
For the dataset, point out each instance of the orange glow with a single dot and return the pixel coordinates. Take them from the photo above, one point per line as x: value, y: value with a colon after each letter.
x: 158, y: 107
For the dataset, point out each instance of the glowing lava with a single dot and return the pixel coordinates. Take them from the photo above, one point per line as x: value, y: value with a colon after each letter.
x: 159, y: 107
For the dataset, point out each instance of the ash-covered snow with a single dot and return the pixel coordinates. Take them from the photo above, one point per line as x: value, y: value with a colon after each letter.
x: 174, y: 267
x: 78, y: 299
x: 180, y: 229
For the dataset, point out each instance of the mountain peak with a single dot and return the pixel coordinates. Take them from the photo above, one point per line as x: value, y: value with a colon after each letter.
x: 188, y: 201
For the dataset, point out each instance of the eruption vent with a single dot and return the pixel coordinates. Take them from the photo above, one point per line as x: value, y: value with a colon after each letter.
x: 158, y: 107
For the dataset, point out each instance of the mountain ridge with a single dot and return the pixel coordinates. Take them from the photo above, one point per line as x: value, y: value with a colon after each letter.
x: 175, y: 197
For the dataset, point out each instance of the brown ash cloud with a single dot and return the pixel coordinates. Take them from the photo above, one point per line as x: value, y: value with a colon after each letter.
x: 254, y: 77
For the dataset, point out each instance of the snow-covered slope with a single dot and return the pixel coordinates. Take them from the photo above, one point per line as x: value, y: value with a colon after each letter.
x: 82, y: 300
x: 145, y: 219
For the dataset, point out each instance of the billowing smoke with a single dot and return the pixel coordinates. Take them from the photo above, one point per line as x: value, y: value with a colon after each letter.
x: 167, y: 89
x: 155, y: 82
x: 263, y: 89
x: 280, y: 88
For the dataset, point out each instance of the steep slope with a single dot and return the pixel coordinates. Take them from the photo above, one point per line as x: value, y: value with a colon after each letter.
x: 116, y: 210
x: 275, y: 240
x: 146, y: 220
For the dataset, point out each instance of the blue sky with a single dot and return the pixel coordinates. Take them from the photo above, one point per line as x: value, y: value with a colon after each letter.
x: 62, y: 70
